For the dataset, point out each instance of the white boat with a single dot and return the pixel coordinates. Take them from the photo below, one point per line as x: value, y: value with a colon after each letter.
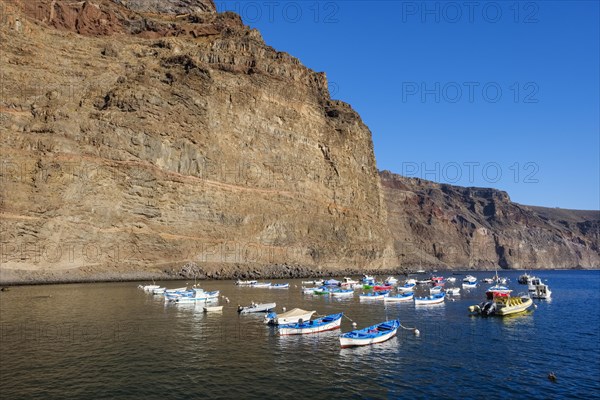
x: 208, y: 309
x: 451, y: 279
x: 176, y: 290
x: 308, y: 290
x: 160, y: 290
x: 245, y: 283
x: 280, y: 286
x: 407, y: 287
x: 323, y: 324
x: 541, y: 291
x: 317, y: 282
x: 433, y: 299
x: 374, y: 295
x: 533, y: 282
x: 148, y: 288
x: 470, y: 279
x: 373, y: 334
x: 391, y: 280
x: 261, y: 284
x: 423, y: 281
x: 488, y: 280
x: 255, y: 308
x: 454, y: 291
x: 349, y: 281
x: 399, y: 297
x: 467, y: 285
x: 435, y: 290
x: 293, y: 316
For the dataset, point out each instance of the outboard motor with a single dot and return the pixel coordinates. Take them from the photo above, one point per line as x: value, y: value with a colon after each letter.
x: 270, y: 318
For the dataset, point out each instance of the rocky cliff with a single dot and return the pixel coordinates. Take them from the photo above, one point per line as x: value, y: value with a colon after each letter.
x: 445, y: 226
x: 135, y: 143
x: 147, y: 138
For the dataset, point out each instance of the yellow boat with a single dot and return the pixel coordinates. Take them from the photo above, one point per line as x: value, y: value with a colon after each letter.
x: 503, y: 305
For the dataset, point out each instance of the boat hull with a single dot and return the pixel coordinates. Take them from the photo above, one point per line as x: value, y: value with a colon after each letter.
x: 306, y: 328
x: 399, y: 298
x: 356, y: 338
x: 508, y: 310
x: 257, y: 308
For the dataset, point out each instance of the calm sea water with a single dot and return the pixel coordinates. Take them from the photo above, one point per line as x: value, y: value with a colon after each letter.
x: 114, y: 341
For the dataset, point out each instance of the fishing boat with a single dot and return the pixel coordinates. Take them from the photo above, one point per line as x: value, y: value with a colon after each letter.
x: 208, y: 309
x: 343, y: 293
x: 541, y: 291
x: 435, y: 289
x: 323, y: 324
x: 399, y: 297
x: 348, y: 282
x: 451, y: 279
x: 497, y: 289
x: 382, y: 288
x: 176, y: 290
x: 280, y: 286
x: 436, y: 298
x: 291, y: 317
x: 407, y: 287
x: 317, y: 282
x: 245, y: 283
x: 332, y: 282
x: 524, y: 278
x: 261, y: 284
x: 469, y: 279
x: 423, y: 281
x: 453, y: 291
x: 390, y: 280
x: 533, y: 282
x: 488, y: 280
x: 308, y: 290
x: 467, y: 285
x: 368, y: 280
x: 373, y: 334
x: 160, y: 290
x: 255, y: 308
x: 373, y: 296
x: 502, y: 305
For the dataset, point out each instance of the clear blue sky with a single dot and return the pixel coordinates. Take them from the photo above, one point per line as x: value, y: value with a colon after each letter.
x: 483, y: 93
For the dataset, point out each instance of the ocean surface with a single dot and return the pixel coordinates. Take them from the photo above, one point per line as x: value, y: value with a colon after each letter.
x: 113, y: 341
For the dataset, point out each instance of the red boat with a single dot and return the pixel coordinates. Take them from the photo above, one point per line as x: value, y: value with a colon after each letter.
x: 379, y: 288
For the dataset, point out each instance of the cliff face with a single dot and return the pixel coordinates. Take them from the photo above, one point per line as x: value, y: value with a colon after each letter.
x: 455, y: 227
x: 134, y: 143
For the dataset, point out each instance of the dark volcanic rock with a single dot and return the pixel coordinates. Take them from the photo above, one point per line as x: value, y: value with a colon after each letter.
x: 456, y: 227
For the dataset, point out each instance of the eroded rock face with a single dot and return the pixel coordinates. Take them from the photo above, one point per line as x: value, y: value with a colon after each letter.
x: 455, y: 227
x: 130, y: 158
x: 169, y: 6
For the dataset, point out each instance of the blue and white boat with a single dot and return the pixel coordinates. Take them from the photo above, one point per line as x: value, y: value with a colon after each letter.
x: 469, y: 285
x: 435, y: 290
x: 433, y: 299
x: 408, y: 286
x: 343, y: 293
x: 373, y: 334
x: 280, y: 286
x: 368, y: 280
x: 327, y: 323
x: 400, y: 297
x: 374, y: 295
x: 296, y: 315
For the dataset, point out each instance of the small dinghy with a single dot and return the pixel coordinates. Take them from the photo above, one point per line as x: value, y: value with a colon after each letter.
x: 433, y: 299
x: 373, y: 334
x: 453, y: 291
x: 255, y: 308
x: 293, y: 316
x: 399, y: 297
x: 261, y: 284
x: 327, y: 323
x: 435, y: 290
